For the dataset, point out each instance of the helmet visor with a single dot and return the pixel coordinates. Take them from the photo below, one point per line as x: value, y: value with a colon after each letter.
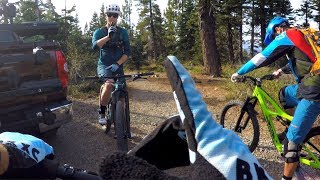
x: 267, y: 40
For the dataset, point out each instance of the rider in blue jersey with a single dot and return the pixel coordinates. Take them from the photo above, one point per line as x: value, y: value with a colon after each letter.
x: 305, y: 95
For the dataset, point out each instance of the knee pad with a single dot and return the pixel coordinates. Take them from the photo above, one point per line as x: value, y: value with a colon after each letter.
x: 291, y: 151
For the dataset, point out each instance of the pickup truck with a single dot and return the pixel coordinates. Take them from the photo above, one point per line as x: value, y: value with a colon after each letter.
x: 33, y: 79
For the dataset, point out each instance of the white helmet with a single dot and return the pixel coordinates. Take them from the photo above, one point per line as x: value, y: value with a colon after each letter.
x: 113, y: 8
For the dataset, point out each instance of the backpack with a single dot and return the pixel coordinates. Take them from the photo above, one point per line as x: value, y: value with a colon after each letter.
x: 313, y: 38
x: 116, y: 40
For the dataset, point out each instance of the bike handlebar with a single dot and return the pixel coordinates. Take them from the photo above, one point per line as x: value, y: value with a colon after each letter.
x: 69, y: 172
x: 133, y: 76
x: 254, y: 80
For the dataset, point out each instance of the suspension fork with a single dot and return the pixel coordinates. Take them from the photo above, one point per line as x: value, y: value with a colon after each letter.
x: 248, y: 106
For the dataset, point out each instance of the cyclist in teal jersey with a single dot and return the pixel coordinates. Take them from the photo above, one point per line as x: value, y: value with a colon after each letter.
x: 113, y: 44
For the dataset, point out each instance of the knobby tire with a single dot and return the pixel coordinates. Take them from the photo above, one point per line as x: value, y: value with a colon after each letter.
x: 120, y: 123
x: 228, y: 119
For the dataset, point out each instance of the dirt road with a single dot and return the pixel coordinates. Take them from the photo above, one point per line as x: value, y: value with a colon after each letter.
x: 82, y: 142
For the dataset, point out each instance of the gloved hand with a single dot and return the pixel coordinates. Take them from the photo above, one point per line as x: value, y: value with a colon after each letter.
x: 112, y: 30
x: 234, y: 77
x: 277, y: 73
x: 19, y: 147
x: 113, y: 67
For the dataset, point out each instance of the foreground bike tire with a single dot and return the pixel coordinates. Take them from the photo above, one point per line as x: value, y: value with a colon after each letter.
x: 120, y: 119
x: 250, y: 133
x: 312, y: 142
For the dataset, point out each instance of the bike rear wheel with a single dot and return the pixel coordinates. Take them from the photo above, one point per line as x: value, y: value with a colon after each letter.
x: 312, y: 143
x: 248, y: 129
x: 120, y: 126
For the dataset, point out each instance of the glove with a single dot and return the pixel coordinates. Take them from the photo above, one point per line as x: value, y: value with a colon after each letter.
x: 112, y: 30
x: 234, y: 77
x: 277, y: 73
x: 113, y: 67
x: 25, y: 151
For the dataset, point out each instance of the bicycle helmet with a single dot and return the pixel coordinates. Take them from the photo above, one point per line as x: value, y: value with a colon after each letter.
x: 276, y: 21
x: 113, y: 8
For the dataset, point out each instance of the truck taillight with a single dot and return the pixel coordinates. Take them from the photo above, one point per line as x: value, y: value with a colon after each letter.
x: 62, y: 68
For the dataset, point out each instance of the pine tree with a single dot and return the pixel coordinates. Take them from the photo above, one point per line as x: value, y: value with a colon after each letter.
x: 102, y: 16
x: 150, y: 23
x: 208, y: 37
x: 305, y: 11
x: 93, y: 24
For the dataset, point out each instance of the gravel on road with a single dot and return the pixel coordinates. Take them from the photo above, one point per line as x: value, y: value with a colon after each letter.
x: 82, y: 143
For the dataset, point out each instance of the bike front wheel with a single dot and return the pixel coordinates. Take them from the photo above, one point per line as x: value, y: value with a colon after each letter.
x: 120, y: 125
x: 248, y: 128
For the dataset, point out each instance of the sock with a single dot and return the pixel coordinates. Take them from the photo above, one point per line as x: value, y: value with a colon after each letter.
x: 286, y: 178
x: 102, y: 109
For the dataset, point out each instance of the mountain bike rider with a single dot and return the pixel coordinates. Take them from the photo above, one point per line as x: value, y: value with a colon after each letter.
x: 305, y: 95
x: 113, y: 43
x: 22, y: 156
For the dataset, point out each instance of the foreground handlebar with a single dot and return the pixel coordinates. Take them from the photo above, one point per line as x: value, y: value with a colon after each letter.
x: 68, y: 172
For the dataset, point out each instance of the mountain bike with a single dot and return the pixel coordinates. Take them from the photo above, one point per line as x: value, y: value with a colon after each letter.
x: 241, y: 117
x: 117, y: 111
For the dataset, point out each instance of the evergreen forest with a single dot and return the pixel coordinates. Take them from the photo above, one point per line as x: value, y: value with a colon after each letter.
x: 201, y: 33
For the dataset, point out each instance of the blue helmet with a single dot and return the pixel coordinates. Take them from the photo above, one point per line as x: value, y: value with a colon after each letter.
x: 276, y: 21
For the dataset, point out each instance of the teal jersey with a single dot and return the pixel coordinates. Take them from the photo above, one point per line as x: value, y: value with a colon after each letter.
x: 115, y: 48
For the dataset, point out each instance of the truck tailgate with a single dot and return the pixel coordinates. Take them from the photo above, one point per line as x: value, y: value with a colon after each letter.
x: 28, y: 75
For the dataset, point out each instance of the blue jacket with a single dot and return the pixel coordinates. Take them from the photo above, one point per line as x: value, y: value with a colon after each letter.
x: 292, y: 43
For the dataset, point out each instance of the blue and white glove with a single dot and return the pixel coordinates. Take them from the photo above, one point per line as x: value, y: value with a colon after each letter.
x: 112, y: 30
x: 207, y: 140
x: 113, y: 67
x: 25, y: 150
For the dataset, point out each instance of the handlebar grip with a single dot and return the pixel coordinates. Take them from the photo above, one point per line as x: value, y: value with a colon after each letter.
x: 147, y: 74
x: 241, y: 78
x: 68, y: 172
x: 268, y: 77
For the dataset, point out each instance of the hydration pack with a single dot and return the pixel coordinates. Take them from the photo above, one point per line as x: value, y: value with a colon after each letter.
x: 313, y: 38
x: 116, y: 40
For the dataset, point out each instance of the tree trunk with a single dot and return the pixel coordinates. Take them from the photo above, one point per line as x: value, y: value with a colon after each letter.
x: 263, y: 21
x: 230, y: 43
x: 208, y: 37
x: 252, y: 32
x: 153, y: 33
x: 240, y: 38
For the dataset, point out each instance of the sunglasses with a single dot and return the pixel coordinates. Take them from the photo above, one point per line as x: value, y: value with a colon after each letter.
x: 115, y: 15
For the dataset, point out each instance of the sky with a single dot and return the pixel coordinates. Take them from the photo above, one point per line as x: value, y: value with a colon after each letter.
x: 86, y: 8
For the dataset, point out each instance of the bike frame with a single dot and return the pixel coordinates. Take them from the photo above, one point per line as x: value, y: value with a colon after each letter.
x: 263, y: 98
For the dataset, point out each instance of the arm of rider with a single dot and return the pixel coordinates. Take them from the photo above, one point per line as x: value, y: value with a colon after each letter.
x: 234, y: 77
x: 277, y: 73
x: 115, y: 66
x: 102, y: 41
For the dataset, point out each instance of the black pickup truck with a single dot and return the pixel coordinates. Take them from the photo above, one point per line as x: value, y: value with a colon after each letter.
x: 33, y: 79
